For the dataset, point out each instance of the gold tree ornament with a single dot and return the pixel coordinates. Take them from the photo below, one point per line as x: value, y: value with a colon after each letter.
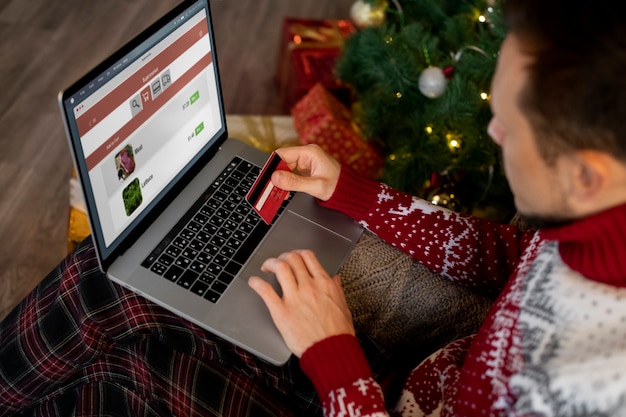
x: 365, y: 15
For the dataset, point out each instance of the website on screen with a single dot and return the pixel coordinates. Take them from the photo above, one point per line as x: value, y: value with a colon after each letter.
x: 142, y: 127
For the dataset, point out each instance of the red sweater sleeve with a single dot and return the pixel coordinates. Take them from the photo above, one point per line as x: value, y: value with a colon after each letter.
x: 474, y: 252
x: 342, y: 377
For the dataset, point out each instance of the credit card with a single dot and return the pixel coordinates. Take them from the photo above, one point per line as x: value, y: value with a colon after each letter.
x: 264, y: 197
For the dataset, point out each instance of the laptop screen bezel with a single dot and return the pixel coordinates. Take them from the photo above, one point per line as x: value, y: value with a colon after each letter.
x: 155, y: 32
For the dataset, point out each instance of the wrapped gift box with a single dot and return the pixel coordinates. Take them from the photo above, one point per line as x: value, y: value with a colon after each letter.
x: 266, y: 133
x: 320, y: 118
x: 307, y: 54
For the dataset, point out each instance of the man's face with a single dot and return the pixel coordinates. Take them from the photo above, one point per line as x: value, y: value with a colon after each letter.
x: 538, y: 191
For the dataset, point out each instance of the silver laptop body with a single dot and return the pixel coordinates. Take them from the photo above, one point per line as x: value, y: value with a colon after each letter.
x: 147, y: 132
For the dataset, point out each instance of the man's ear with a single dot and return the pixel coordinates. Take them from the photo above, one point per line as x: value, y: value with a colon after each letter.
x: 591, y: 185
x: 591, y: 174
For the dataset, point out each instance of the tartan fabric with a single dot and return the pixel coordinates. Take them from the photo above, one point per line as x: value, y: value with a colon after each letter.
x: 81, y: 345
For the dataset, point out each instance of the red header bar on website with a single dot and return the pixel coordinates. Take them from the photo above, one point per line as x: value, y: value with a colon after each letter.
x: 148, y: 108
x: 94, y: 115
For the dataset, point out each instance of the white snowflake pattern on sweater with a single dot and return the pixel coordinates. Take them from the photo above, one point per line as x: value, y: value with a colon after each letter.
x: 367, y: 389
x: 457, y: 246
x: 573, y: 342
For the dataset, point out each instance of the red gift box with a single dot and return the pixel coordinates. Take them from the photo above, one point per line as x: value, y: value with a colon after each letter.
x: 307, y: 55
x: 319, y: 117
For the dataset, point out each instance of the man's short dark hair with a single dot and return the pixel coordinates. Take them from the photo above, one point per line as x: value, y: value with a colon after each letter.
x: 575, y: 96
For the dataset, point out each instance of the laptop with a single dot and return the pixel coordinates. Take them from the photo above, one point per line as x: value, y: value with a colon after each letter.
x: 164, y: 185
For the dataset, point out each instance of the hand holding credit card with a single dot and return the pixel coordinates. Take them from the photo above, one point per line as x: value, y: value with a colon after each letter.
x: 264, y: 197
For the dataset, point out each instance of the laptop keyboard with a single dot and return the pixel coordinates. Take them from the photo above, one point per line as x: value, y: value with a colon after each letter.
x: 210, y: 244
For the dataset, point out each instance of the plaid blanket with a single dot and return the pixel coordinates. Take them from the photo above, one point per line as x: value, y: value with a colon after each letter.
x: 80, y: 345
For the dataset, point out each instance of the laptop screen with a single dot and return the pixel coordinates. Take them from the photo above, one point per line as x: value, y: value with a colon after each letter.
x: 140, y: 120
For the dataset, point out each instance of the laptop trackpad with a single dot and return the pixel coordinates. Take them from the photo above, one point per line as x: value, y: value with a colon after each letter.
x: 296, y: 232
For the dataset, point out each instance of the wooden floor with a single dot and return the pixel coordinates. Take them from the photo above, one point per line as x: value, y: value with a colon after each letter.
x: 44, y: 46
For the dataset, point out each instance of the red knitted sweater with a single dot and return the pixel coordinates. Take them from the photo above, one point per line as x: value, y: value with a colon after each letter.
x: 554, y: 342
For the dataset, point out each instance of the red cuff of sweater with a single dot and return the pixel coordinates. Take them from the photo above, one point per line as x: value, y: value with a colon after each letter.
x: 354, y: 195
x: 335, y: 362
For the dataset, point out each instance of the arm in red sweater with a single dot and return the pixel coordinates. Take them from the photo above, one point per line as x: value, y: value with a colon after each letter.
x: 473, y: 252
x: 342, y: 378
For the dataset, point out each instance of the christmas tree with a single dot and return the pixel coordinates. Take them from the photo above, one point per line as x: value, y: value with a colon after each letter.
x: 421, y: 72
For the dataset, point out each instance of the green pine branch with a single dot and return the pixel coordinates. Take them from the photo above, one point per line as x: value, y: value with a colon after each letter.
x: 383, y: 65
